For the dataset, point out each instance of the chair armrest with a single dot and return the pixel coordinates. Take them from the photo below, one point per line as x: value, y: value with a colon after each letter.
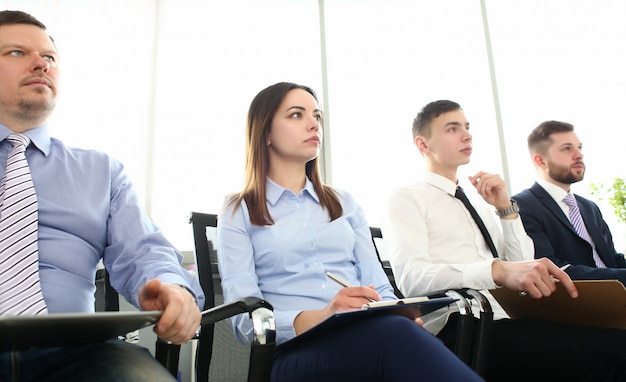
x: 471, y: 344
x: 264, y: 327
x: 483, y: 304
x: 464, y: 338
x: 244, y: 305
x: 465, y: 307
x: 260, y: 311
x: 483, y: 332
x: 472, y: 341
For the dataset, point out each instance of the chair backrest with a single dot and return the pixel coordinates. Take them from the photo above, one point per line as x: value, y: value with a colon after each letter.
x: 377, y: 235
x: 219, y: 356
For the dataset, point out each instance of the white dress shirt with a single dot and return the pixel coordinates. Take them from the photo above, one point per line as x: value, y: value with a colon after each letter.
x: 433, y: 243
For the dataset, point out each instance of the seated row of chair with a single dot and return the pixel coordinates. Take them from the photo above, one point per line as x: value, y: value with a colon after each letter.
x: 219, y: 357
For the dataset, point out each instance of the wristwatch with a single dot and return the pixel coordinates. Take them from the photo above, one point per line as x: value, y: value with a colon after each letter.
x: 513, y: 209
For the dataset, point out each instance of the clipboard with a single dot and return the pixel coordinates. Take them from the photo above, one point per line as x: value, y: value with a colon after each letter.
x: 409, y: 307
x: 600, y: 303
x: 62, y: 329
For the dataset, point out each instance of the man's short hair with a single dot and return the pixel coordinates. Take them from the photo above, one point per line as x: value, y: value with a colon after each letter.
x: 421, y: 123
x: 540, y: 138
x: 19, y: 17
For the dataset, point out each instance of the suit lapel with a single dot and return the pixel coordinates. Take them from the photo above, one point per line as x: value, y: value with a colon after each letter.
x: 586, y: 212
x: 548, y: 202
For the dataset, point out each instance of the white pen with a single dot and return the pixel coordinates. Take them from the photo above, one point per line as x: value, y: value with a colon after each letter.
x: 563, y: 268
x: 342, y: 282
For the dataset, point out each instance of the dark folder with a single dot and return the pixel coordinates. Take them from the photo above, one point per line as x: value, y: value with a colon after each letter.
x: 600, y: 303
x: 20, y: 332
x: 410, y: 307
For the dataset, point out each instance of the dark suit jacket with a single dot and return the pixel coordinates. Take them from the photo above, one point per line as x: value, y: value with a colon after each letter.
x: 555, y: 237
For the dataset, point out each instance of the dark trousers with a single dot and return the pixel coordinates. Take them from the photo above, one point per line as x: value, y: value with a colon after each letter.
x: 536, y: 350
x: 113, y: 360
x: 378, y: 348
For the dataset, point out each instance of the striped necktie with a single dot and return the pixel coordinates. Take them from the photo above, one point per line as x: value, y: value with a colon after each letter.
x: 579, y: 225
x: 20, y: 291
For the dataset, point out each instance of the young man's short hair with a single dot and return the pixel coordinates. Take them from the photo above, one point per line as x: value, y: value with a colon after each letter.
x: 421, y: 123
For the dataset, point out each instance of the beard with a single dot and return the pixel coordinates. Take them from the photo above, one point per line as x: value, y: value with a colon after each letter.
x: 564, y: 174
x: 29, y: 110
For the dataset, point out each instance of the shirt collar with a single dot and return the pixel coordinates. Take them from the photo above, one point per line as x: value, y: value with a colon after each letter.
x: 274, y: 191
x: 440, y: 182
x: 39, y: 136
x: 556, y: 192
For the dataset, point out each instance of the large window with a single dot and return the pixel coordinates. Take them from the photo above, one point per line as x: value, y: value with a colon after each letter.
x: 396, y: 57
x: 563, y: 60
x: 106, y: 60
x: 164, y: 86
x: 213, y: 57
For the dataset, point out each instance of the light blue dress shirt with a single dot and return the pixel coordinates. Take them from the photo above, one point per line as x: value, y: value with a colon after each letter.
x: 88, y: 210
x: 286, y: 263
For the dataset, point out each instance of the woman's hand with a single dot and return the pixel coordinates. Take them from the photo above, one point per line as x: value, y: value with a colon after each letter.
x: 350, y: 298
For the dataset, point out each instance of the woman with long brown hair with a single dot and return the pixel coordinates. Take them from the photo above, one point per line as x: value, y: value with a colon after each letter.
x: 285, y: 230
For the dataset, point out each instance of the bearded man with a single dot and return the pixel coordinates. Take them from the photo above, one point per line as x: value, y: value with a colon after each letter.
x: 566, y: 228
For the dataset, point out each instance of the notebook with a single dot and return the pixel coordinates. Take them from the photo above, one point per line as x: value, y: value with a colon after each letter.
x: 411, y: 307
x: 600, y: 303
x: 59, y: 329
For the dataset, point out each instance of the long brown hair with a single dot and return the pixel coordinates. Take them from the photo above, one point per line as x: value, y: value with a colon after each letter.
x: 260, y: 115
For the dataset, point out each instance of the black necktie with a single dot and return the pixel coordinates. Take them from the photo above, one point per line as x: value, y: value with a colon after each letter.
x: 460, y: 194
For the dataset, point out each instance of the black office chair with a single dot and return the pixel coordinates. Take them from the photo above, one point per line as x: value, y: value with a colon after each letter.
x: 219, y: 357
x: 471, y: 340
x: 107, y: 299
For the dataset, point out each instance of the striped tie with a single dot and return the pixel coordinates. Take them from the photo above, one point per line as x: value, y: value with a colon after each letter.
x: 20, y: 292
x: 578, y: 223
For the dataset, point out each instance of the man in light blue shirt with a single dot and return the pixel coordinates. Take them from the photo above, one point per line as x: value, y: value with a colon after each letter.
x: 87, y: 211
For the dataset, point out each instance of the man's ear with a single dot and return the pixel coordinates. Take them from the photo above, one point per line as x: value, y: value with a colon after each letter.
x: 539, y: 160
x: 421, y: 144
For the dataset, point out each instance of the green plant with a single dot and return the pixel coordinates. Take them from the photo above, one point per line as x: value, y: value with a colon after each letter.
x: 615, y: 195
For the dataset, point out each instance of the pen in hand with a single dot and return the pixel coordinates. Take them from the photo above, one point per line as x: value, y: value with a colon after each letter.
x: 343, y: 282
x: 563, y: 268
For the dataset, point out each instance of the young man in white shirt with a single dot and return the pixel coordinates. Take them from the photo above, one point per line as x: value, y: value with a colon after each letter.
x: 435, y: 244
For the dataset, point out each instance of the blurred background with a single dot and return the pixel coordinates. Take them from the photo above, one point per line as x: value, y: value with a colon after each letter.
x: 164, y: 86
